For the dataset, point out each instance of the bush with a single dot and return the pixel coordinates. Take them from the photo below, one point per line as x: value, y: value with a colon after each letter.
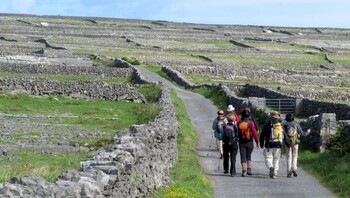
x: 344, y: 84
x: 339, y: 143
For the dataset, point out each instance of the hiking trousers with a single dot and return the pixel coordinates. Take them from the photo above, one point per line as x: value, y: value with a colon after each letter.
x: 219, y: 146
x: 230, y: 152
x: 292, y: 158
x: 272, y: 158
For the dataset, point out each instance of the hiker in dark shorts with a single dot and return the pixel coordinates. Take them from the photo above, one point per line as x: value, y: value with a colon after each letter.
x: 246, y: 133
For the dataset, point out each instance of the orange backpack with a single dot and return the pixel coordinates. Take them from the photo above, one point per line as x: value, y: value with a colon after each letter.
x: 244, y: 127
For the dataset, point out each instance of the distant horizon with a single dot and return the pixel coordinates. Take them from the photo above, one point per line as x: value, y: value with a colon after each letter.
x: 102, y: 17
x: 276, y: 13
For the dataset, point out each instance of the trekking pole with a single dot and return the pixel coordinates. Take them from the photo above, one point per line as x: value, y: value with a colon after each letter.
x: 219, y: 164
x: 211, y: 140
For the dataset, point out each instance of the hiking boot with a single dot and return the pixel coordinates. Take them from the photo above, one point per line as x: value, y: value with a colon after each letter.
x: 244, y: 173
x: 272, y: 172
x: 249, y: 171
x: 221, y: 156
x: 289, y: 175
x: 295, y: 174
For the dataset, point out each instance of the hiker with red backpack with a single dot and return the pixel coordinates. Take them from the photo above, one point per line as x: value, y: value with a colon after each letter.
x: 271, y: 138
x: 230, y: 138
x: 218, y: 127
x: 247, y: 131
x: 293, y: 133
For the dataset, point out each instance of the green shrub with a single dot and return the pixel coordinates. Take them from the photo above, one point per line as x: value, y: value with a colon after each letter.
x: 339, y: 143
x: 344, y: 84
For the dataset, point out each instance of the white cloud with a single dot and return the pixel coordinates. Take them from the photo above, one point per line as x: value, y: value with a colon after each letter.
x: 22, y: 5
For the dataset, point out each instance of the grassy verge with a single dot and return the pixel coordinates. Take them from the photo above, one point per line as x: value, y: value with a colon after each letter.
x: 330, y: 170
x: 158, y: 70
x: 188, y: 178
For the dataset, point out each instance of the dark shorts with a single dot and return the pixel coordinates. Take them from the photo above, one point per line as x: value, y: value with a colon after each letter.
x: 245, y: 150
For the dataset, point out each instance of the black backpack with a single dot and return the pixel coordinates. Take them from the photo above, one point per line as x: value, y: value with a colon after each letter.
x: 230, y: 135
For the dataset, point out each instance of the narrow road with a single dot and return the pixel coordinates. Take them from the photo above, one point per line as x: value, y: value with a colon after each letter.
x: 202, y: 112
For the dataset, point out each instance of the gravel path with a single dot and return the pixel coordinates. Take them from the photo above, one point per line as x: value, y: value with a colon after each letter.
x: 202, y: 113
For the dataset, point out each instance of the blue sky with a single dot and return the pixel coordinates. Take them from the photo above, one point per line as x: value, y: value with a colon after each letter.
x: 291, y: 13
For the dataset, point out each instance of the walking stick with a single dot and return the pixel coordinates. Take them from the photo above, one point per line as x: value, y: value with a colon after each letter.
x: 211, y: 140
x: 219, y: 164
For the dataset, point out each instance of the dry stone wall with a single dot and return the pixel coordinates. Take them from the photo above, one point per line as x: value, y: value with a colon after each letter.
x: 76, y: 89
x: 177, y: 77
x: 103, y: 72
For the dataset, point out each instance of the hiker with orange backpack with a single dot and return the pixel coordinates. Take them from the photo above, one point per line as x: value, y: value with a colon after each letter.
x: 246, y: 133
x: 271, y: 138
x: 229, y: 139
x: 293, y: 132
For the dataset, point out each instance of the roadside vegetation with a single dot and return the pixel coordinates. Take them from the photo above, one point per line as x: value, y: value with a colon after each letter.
x: 331, y: 170
x: 333, y: 167
x: 188, y: 179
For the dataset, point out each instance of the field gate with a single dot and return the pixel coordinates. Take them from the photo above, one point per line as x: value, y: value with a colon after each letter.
x: 282, y: 105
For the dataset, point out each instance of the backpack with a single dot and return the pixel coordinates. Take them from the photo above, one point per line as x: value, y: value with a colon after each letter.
x: 245, y: 128
x: 293, y: 134
x: 220, y: 126
x: 276, y: 134
x: 230, y: 134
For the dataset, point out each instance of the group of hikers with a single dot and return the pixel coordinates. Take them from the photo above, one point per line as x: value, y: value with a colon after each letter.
x: 233, y: 133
